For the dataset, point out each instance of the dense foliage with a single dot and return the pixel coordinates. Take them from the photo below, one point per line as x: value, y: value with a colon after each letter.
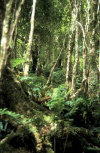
x: 49, y: 76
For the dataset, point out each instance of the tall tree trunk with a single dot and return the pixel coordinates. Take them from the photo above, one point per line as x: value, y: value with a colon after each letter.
x: 2, y: 12
x: 72, y: 29
x: 4, y: 39
x: 7, y: 32
x: 28, y: 54
x: 53, y: 54
x: 8, y: 20
x: 15, y: 44
x: 93, y: 72
x: 85, y: 33
x: 76, y: 62
x: 68, y: 61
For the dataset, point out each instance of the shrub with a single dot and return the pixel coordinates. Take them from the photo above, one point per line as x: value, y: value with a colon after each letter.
x: 58, y: 77
x: 57, y: 104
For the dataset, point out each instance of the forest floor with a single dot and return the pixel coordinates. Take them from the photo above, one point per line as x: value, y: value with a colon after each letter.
x: 30, y: 125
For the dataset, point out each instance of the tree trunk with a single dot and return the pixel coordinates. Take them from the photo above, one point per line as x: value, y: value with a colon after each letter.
x: 14, y: 48
x: 4, y: 39
x: 85, y: 75
x: 34, y: 59
x: 72, y: 29
x: 68, y: 61
x: 76, y: 62
x: 93, y: 71
x: 2, y: 12
x: 28, y: 54
x: 9, y: 19
x: 7, y: 32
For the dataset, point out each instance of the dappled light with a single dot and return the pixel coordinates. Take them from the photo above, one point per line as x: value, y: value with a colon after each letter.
x: 49, y: 76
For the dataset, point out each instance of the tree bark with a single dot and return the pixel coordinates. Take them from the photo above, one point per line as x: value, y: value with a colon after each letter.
x: 72, y: 29
x: 2, y: 13
x: 68, y: 61
x: 28, y: 54
x: 4, y: 39
x: 85, y: 50
x: 76, y: 62
x: 7, y: 32
x: 93, y: 71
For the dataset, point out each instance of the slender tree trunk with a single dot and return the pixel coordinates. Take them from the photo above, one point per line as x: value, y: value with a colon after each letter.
x: 68, y: 61
x: 2, y: 13
x: 89, y: 64
x: 72, y: 29
x: 28, y: 54
x: 74, y: 73
x: 7, y: 32
x: 53, y: 55
x: 93, y: 71
x: 85, y: 76
x: 76, y: 62
x: 4, y: 39
x: 8, y: 21
x: 15, y: 44
x: 14, y: 24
